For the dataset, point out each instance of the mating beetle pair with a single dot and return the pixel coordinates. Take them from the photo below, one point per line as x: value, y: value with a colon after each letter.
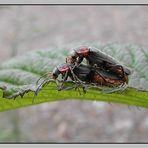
x: 101, y: 70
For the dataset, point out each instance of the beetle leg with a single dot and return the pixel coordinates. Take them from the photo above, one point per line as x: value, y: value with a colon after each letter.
x: 70, y: 87
x: 93, y: 85
x: 76, y: 79
x: 61, y: 86
x: 76, y: 86
x: 57, y: 83
x: 122, y: 87
x: 85, y: 88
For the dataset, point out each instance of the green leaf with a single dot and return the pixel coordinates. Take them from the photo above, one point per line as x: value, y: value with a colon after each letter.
x: 18, y: 78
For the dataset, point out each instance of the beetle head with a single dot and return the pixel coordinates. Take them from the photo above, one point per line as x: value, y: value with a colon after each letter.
x: 61, y: 69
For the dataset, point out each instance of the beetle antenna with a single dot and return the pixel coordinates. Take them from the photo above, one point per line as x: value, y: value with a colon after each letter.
x: 37, y: 90
x: 46, y: 74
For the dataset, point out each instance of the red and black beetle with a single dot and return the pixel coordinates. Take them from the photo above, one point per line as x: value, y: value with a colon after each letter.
x: 99, y: 59
x: 85, y: 74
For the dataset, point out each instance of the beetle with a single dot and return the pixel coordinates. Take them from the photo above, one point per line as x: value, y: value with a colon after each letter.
x: 87, y: 74
x: 98, y: 58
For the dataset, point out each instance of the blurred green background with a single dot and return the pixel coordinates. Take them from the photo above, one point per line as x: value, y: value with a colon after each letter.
x: 26, y: 28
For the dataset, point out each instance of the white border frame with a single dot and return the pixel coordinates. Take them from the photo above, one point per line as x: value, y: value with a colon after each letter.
x: 73, y: 2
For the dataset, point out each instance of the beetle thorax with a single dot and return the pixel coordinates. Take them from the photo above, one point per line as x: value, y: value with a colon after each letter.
x: 63, y: 68
x: 82, y: 51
